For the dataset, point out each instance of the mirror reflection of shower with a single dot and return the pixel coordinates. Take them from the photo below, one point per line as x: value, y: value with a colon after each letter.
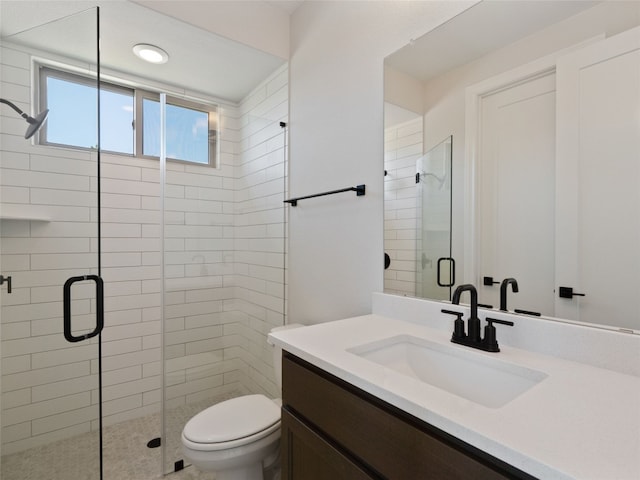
x: 434, y: 272
x: 34, y: 122
x: 423, y: 176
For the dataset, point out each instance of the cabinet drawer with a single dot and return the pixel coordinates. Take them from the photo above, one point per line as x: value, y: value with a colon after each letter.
x: 386, y: 440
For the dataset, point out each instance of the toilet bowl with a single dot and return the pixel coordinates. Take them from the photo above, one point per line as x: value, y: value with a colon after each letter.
x: 237, y: 439
x: 234, y: 438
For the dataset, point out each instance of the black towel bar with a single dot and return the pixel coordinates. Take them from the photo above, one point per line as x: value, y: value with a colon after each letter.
x: 360, y: 190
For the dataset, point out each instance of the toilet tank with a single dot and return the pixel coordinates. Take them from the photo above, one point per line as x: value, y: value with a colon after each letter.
x: 277, y: 353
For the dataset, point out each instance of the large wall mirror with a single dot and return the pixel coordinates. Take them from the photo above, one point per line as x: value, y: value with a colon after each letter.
x: 540, y: 102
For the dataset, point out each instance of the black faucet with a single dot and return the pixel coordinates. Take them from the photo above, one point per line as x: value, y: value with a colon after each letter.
x: 473, y: 323
x: 472, y: 339
x: 503, y: 291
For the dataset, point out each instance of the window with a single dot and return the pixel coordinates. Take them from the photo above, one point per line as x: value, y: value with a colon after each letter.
x: 73, y: 104
x: 129, y: 119
x: 190, y: 132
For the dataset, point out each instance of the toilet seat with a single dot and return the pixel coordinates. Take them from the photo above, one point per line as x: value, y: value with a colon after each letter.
x: 235, y: 422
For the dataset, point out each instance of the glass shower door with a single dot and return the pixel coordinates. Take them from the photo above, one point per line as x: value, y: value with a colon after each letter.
x: 51, y: 301
x: 197, y: 253
x: 435, y: 266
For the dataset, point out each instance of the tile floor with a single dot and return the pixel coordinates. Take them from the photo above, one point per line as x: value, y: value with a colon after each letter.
x: 126, y: 455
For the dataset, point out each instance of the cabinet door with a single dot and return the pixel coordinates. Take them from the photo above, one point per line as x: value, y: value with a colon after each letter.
x: 598, y: 175
x: 307, y: 456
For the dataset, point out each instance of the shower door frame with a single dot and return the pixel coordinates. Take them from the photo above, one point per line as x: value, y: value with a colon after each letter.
x: 76, y: 329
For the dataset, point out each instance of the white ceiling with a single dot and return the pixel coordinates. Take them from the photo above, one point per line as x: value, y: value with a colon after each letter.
x: 200, y: 61
x: 477, y: 31
x: 289, y: 6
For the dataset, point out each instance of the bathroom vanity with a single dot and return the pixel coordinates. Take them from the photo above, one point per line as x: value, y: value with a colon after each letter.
x: 353, y: 409
x: 331, y: 429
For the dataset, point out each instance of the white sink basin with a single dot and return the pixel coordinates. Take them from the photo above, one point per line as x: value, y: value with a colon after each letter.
x: 461, y: 371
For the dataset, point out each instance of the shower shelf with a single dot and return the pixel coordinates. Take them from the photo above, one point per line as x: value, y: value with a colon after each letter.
x: 25, y: 217
x: 24, y: 212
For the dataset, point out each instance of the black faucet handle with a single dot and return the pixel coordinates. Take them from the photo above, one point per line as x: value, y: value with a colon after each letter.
x: 490, y: 341
x: 491, y: 321
x: 458, y: 324
x: 528, y: 312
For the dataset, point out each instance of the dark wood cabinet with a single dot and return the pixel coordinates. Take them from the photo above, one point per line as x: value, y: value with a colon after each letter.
x: 308, y: 455
x: 332, y: 430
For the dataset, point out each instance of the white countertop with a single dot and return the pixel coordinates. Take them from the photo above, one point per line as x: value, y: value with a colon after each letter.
x: 581, y: 422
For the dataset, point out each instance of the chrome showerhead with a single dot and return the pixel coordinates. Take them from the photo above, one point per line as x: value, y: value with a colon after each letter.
x: 34, y: 123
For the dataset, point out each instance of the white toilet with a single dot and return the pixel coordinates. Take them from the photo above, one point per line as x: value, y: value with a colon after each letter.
x: 239, y: 438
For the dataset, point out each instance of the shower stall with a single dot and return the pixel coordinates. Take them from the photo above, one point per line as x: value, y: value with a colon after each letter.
x: 142, y: 288
x: 435, y: 265
x: 417, y: 208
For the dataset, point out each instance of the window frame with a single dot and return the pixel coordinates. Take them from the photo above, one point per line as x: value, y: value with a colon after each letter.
x: 139, y: 92
x: 210, y: 109
x: 45, y: 72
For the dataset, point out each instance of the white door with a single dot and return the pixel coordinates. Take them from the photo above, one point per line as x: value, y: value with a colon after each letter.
x: 598, y: 169
x: 516, y: 193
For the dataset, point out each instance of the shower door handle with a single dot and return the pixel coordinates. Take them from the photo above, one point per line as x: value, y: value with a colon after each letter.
x: 68, y: 333
x: 6, y: 279
x: 452, y: 272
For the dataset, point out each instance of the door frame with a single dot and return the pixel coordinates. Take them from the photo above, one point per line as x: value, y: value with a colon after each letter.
x: 567, y: 148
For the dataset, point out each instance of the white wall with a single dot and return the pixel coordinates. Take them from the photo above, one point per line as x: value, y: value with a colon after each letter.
x: 260, y: 233
x: 336, y: 115
x: 402, y: 148
x: 403, y: 90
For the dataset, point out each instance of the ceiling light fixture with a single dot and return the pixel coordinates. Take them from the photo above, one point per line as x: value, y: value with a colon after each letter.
x: 150, y: 53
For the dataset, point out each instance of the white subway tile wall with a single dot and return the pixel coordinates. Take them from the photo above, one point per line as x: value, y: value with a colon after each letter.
x: 402, y: 148
x: 224, y: 269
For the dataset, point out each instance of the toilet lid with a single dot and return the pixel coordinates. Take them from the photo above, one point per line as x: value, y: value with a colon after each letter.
x: 232, y: 419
